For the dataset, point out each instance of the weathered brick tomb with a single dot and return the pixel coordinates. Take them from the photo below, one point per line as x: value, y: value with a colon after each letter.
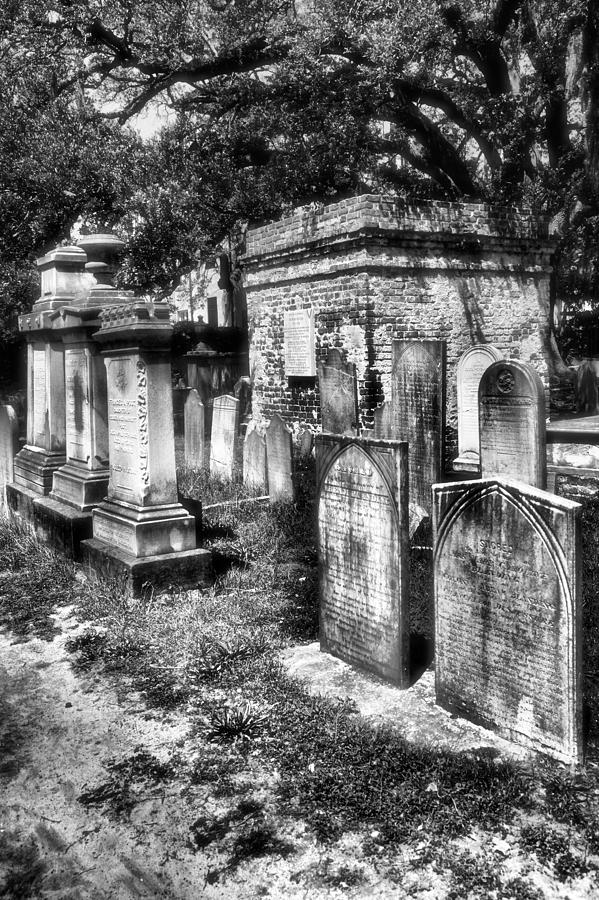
x: 370, y: 269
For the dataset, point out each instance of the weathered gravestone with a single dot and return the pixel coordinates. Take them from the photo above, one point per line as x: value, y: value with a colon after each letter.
x: 254, y: 461
x: 363, y: 553
x: 508, y: 611
x: 9, y: 447
x: 384, y: 428
x: 306, y: 442
x: 224, y: 437
x: 418, y: 400
x: 338, y: 394
x: 193, y: 415
x: 279, y: 460
x: 512, y: 423
x: 471, y: 367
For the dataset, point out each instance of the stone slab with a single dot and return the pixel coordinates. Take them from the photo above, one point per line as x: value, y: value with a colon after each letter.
x: 61, y: 527
x: 254, y: 461
x: 338, y: 394
x: 189, y: 570
x: 471, y: 367
x: 194, y: 423
x: 512, y: 423
x: 144, y: 532
x: 363, y: 545
x: 279, y: 460
x: 9, y: 447
x: 300, y: 347
x: 418, y: 400
x: 508, y: 612
x: 224, y: 437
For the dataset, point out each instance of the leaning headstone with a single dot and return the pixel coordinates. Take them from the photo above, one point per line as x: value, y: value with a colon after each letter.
x: 338, y: 394
x: 193, y: 415
x: 363, y: 552
x: 418, y: 399
x: 254, y: 461
x: 279, y: 460
x: 9, y: 447
x: 512, y: 423
x: 306, y: 442
x: 471, y: 367
x: 508, y: 611
x: 224, y: 437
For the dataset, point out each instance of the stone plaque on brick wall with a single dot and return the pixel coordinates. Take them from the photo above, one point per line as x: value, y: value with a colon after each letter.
x: 77, y: 404
x: 224, y: 437
x: 300, y: 352
x: 508, y: 611
x: 279, y: 460
x: 338, y: 394
x: 512, y: 423
x: 9, y: 447
x: 363, y: 553
x: 471, y: 367
x: 254, y: 461
x: 193, y: 426
x: 418, y: 400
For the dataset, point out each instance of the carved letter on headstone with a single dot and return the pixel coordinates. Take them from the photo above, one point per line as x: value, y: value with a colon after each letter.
x: 363, y: 548
x: 418, y: 398
x: 471, y: 367
x: 338, y: 394
x: 508, y: 612
x: 512, y: 423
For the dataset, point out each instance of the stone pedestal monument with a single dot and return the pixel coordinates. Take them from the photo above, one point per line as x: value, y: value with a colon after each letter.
x: 62, y: 283
x: 141, y: 531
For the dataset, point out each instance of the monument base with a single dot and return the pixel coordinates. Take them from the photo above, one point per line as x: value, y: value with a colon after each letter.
x: 57, y: 524
x: 34, y: 468
x: 144, y: 531
x: 467, y: 463
x: 79, y: 488
x: 188, y: 569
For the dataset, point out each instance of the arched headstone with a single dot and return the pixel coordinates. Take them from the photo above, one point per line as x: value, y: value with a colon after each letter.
x: 471, y: 367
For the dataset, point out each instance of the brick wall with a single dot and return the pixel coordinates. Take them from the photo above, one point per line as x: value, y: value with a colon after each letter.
x: 373, y: 270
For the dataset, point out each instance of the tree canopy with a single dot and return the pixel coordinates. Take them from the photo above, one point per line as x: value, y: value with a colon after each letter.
x: 273, y: 103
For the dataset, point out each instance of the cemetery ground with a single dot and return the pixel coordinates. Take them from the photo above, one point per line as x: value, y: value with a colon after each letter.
x: 158, y: 747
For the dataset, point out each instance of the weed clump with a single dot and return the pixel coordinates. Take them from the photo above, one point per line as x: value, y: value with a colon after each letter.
x: 119, y: 793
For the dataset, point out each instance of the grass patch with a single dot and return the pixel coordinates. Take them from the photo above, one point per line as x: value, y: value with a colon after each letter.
x: 119, y: 793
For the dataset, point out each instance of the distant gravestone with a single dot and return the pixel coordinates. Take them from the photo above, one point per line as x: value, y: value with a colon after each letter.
x: 300, y: 347
x: 306, y: 442
x: 193, y: 415
x: 512, y: 423
x: 279, y: 460
x: 338, y: 394
x: 224, y: 437
x: 363, y: 553
x: 383, y: 423
x: 418, y: 399
x: 471, y: 367
x: 254, y: 461
x: 508, y: 612
x: 9, y: 447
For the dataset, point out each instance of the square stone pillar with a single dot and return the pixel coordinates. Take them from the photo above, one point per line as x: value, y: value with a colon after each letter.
x: 141, y: 530
x: 62, y: 282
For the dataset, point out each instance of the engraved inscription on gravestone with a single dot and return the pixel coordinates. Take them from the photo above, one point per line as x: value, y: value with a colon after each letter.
x: 77, y: 404
x: 471, y: 367
x: 363, y: 550
x: 338, y: 394
x: 254, y: 461
x: 512, y: 423
x: 124, y: 450
x: 279, y: 460
x: 418, y: 398
x: 193, y: 418
x: 40, y: 404
x: 224, y: 437
x: 507, y: 606
x: 300, y: 354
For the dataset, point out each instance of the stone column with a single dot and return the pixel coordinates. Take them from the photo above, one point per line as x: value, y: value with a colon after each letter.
x: 141, y: 530
x: 62, y: 283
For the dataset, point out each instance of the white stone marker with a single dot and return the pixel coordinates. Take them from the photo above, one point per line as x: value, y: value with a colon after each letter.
x: 471, y: 367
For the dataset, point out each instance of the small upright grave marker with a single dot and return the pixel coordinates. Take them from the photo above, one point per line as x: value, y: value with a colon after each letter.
x: 279, y: 460
x: 338, y: 394
x: 9, y: 447
x: 224, y: 437
x: 363, y: 549
x: 471, y: 367
x: 193, y: 415
x: 512, y: 423
x: 508, y: 611
x: 254, y: 461
x: 418, y: 398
